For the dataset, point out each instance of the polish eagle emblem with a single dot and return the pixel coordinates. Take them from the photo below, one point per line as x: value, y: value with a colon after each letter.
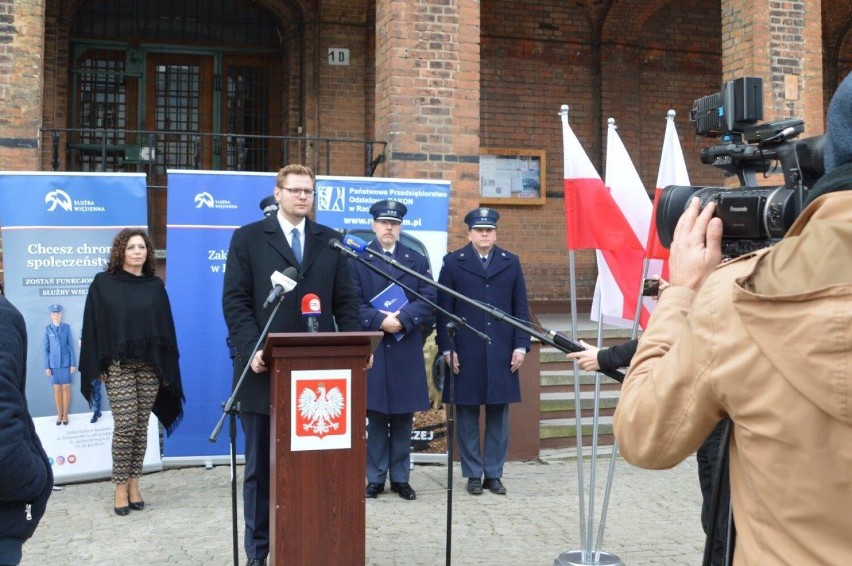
x: 320, y: 409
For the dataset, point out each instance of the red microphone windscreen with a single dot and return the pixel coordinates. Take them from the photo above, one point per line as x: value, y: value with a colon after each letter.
x: 311, y: 305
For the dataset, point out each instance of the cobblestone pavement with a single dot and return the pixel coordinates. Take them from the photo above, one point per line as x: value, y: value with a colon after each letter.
x: 652, y: 518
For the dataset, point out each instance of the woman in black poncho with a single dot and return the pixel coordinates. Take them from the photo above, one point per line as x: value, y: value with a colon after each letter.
x: 129, y: 342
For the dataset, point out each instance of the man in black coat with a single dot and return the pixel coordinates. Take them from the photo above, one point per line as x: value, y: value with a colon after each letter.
x: 26, y: 479
x: 285, y: 239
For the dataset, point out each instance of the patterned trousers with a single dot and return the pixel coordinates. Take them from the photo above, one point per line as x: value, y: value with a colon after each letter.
x: 132, y: 389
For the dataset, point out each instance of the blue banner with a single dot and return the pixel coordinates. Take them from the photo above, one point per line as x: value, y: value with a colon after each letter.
x: 57, y: 234
x: 203, y: 209
x: 344, y: 203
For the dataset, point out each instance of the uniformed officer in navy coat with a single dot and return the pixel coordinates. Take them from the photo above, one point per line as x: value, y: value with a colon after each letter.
x: 485, y: 373
x: 396, y: 383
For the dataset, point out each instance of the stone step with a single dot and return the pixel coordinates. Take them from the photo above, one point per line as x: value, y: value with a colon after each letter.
x: 564, y: 401
x: 557, y: 429
x: 561, y: 378
x: 567, y: 428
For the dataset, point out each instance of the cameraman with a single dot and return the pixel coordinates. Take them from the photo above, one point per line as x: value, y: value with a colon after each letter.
x: 766, y: 340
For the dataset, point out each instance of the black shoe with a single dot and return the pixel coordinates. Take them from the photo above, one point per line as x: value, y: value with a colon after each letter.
x: 137, y: 505
x: 256, y: 562
x: 374, y: 489
x: 494, y: 485
x: 95, y: 417
x: 474, y: 486
x: 404, y: 490
x: 122, y: 511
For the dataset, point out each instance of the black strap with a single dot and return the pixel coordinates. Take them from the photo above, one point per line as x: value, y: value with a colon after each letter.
x: 715, y: 497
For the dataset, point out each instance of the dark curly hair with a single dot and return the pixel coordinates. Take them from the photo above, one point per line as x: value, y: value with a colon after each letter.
x: 119, y: 246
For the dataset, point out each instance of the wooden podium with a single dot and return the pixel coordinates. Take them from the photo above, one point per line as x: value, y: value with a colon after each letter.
x: 317, y: 464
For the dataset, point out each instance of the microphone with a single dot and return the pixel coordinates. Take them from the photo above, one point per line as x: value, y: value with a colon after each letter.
x: 340, y: 248
x: 567, y: 343
x: 282, y: 283
x: 355, y: 243
x: 311, y: 311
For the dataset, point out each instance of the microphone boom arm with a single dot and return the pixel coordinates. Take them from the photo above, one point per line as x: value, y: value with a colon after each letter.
x: 458, y: 320
x: 494, y: 312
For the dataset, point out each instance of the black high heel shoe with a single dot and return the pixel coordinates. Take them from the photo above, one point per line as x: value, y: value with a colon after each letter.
x: 121, y: 511
x: 137, y: 505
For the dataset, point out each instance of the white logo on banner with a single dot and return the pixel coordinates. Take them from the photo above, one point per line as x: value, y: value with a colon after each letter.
x: 203, y: 199
x: 58, y: 197
x: 206, y: 199
x: 331, y: 199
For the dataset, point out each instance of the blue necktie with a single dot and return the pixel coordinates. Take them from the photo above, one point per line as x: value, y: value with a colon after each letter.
x: 297, y: 246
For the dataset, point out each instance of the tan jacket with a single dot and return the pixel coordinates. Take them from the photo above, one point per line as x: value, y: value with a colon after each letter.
x: 768, y: 341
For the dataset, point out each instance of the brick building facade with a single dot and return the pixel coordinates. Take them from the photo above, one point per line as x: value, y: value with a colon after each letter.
x: 437, y: 80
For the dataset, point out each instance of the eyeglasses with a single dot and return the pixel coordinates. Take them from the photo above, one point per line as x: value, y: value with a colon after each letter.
x: 295, y: 193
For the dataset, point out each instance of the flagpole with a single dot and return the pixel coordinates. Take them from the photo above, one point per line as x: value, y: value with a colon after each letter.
x: 578, y: 428
x: 584, y: 556
x: 578, y: 425
x: 595, y: 422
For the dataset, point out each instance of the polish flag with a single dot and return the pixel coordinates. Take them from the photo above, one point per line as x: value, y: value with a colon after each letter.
x: 619, y: 285
x: 672, y: 172
x: 594, y: 220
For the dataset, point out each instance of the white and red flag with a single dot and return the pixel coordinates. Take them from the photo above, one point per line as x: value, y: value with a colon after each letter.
x: 672, y: 172
x: 595, y: 220
x: 619, y: 285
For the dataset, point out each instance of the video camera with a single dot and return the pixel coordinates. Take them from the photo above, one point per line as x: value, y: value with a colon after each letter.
x: 753, y: 217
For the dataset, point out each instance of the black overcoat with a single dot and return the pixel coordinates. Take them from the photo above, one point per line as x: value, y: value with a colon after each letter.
x: 256, y: 251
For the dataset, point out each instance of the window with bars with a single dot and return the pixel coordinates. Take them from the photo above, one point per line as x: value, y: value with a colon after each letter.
x: 177, y: 115
x: 101, y: 112
x: 247, y: 110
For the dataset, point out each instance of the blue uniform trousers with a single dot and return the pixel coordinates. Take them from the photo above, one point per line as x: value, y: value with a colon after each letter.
x: 388, y: 446
x: 256, y: 484
x: 489, y: 460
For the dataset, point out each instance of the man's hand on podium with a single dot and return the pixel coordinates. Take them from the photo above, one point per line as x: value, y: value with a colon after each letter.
x: 257, y: 364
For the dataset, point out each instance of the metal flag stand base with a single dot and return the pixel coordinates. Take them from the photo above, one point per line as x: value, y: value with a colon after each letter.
x: 575, y: 558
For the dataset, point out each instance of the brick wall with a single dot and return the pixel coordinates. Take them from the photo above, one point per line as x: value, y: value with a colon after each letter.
x: 21, y: 75
x: 341, y: 89
x: 427, y: 96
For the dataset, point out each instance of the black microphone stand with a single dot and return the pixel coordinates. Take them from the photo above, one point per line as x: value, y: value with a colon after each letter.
x: 231, y: 408
x: 454, y: 323
x: 450, y: 410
